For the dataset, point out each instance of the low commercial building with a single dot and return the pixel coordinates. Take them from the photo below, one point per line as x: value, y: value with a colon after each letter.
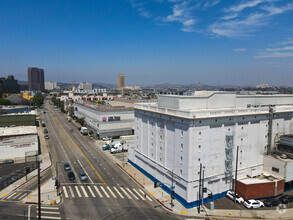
x: 178, y: 134
x: 112, y: 120
x: 18, y: 142
x: 50, y: 85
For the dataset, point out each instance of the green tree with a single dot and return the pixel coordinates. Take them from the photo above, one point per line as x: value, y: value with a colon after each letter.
x: 81, y: 121
x: 4, y: 102
x: 38, y: 100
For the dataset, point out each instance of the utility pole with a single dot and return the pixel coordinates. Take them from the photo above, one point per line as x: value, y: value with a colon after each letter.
x: 199, y: 189
x: 39, y: 190
x: 202, y: 195
x: 235, y: 180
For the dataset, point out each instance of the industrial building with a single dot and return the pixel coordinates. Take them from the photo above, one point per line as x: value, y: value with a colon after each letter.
x: 112, y: 120
x: 176, y: 135
x: 18, y: 142
x: 35, y: 79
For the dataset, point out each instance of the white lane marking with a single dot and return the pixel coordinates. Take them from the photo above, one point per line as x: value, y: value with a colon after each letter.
x: 132, y: 193
x: 138, y: 194
x: 105, y: 192
x: 91, y: 191
x: 78, y: 192
x: 84, y: 192
x: 22, y: 197
x: 125, y: 193
x: 18, y: 195
x: 57, y: 213
x: 85, y: 171
x: 47, y: 207
x: 29, y: 212
x: 111, y: 192
x: 98, y: 191
x: 71, y: 191
x: 65, y: 192
x: 49, y: 217
x: 118, y: 192
x: 146, y: 195
x: 13, y: 194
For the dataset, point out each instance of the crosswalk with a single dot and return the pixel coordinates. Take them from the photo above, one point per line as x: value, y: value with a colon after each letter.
x: 49, y: 212
x: 93, y: 191
x: 16, y: 195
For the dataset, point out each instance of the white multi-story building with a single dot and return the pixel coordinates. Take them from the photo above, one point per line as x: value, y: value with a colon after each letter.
x: 113, y: 120
x: 178, y: 133
x: 50, y: 85
x: 85, y: 86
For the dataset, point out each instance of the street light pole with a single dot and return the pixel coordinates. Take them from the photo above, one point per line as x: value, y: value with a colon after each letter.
x: 199, y: 189
x: 235, y: 181
x: 39, y: 190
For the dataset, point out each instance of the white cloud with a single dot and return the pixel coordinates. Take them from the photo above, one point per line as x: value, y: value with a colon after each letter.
x: 211, y: 3
x: 244, y: 5
x: 230, y: 16
x: 277, y: 10
x: 274, y: 55
x: 181, y: 13
x: 280, y: 49
x: 288, y: 41
x: 240, y: 50
x: 140, y: 6
x: 238, y: 28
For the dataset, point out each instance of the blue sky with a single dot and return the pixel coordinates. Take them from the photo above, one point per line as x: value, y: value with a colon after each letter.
x: 214, y: 42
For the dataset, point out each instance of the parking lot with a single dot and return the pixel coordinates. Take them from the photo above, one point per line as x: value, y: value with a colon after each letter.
x: 226, y: 203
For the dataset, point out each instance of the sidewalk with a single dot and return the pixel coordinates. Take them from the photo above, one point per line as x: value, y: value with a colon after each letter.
x: 165, y: 199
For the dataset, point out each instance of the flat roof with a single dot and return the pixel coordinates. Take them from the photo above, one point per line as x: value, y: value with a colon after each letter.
x: 259, y: 179
x: 20, y: 130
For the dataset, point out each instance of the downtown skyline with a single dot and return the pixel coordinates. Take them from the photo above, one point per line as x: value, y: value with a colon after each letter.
x: 214, y: 42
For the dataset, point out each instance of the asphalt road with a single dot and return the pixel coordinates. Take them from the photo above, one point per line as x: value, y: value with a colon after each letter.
x: 108, y: 193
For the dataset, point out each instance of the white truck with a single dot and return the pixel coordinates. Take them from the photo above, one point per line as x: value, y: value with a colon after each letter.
x: 84, y: 130
x: 119, y: 147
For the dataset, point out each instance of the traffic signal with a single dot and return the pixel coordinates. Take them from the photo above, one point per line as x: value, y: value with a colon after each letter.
x: 157, y: 184
x: 210, y: 195
x: 204, y: 190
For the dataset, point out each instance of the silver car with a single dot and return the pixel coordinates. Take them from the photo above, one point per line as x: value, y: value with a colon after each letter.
x: 82, y: 176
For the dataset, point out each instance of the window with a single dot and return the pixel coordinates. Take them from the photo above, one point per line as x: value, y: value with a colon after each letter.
x: 199, y: 121
x: 199, y: 133
x: 275, y: 169
x: 181, y: 172
x: 242, y: 128
x: 181, y: 159
x: 181, y: 147
x: 181, y: 133
x: 160, y: 159
x: 199, y: 146
x: 198, y: 159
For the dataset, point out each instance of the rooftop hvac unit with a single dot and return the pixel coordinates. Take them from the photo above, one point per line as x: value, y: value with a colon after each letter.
x: 252, y: 173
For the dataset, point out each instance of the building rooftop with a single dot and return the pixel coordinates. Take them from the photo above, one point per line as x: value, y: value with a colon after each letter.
x: 112, y: 106
x: 259, y: 179
x: 15, y: 131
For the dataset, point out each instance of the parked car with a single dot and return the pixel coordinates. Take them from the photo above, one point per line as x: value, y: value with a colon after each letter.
x: 6, y: 162
x: 71, y: 175
x: 272, y: 202
x: 82, y: 176
x: 230, y: 194
x: 253, y: 204
x: 106, y: 139
x: 286, y: 198
x: 47, y: 136
x: 67, y: 166
x: 45, y: 131
x: 106, y: 147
